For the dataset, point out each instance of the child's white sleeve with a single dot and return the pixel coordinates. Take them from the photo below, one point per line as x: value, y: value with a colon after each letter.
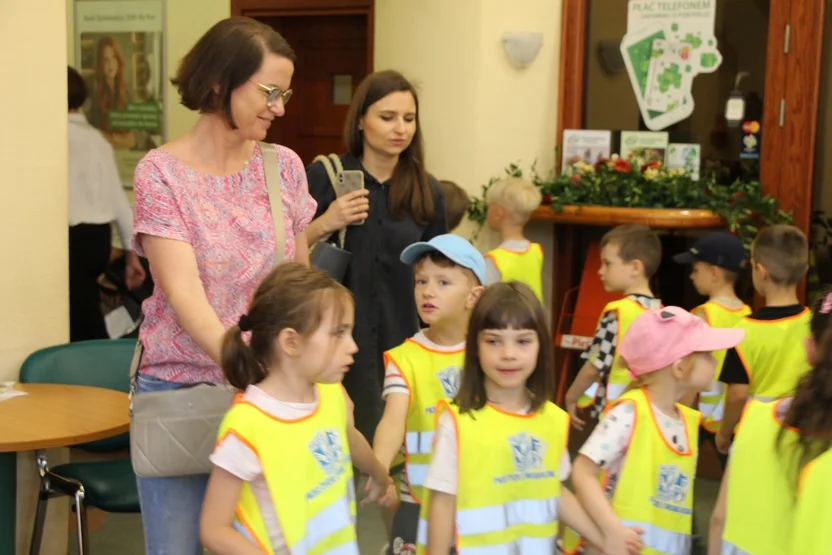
x: 610, y: 438
x: 492, y: 273
x: 443, y: 472
x: 235, y: 457
x: 394, y: 381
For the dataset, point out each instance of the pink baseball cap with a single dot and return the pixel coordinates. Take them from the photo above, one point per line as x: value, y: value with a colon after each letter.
x: 658, y: 338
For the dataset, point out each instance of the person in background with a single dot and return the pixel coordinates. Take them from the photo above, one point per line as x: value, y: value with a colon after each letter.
x: 717, y: 261
x: 770, y: 361
x: 638, y: 467
x: 96, y: 199
x: 630, y: 255
x: 511, y: 202
x: 775, y: 492
x: 449, y: 274
x: 457, y: 202
x: 402, y: 204
x: 204, y: 219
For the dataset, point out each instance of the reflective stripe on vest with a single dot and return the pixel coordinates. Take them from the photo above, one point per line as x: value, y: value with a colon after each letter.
x: 731, y: 549
x: 525, y: 267
x: 661, y: 541
x: 759, y: 478
x: 509, y: 491
x: 322, y: 485
x: 712, y: 402
x: 417, y: 443
x: 619, y: 378
x: 431, y: 376
x: 773, y: 354
x: 486, y: 520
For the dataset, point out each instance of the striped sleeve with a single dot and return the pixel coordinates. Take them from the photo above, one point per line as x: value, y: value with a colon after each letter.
x: 394, y: 381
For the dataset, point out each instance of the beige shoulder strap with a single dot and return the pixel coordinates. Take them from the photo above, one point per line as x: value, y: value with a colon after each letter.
x: 273, y: 184
x: 333, y: 166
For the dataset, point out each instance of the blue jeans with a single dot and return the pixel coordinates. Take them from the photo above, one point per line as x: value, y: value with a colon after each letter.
x: 170, y: 506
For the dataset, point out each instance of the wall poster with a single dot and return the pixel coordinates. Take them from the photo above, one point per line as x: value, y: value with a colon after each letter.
x: 668, y: 43
x: 119, y: 52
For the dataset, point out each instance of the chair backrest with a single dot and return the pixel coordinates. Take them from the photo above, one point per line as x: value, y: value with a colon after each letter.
x: 102, y: 363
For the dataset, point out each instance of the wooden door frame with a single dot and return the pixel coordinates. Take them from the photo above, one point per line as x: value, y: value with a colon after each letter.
x: 787, y: 157
x: 289, y: 8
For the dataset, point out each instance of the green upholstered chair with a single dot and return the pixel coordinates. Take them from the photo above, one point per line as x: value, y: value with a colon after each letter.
x: 109, y: 485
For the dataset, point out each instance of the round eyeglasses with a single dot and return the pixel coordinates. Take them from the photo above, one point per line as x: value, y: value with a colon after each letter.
x: 273, y: 93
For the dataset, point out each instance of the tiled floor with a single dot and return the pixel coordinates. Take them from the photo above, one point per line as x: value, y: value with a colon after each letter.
x: 122, y: 534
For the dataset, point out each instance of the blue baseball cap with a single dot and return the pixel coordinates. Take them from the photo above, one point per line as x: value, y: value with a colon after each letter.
x: 456, y: 248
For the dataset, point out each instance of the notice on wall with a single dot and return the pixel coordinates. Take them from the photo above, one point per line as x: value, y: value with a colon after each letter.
x: 668, y: 43
x: 644, y: 146
x: 119, y: 54
x: 580, y: 145
x: 685, y: 156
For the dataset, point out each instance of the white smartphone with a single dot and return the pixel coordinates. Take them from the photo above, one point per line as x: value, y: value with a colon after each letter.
x: 349, y: 181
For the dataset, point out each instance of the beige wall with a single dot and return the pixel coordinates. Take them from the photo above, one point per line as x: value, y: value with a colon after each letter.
x: 33, y: 212
x: 478, y: 112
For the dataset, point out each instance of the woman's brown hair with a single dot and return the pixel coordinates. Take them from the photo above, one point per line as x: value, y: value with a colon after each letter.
x: 109, y: 99
x: 225, y: 58
x: 291, y: 296
x: 810, y: 412
x: 503, y: 306
x: 410, y: 192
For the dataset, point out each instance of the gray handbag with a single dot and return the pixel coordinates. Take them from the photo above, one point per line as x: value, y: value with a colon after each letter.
x: 331, y: 259
x: 172, y: 433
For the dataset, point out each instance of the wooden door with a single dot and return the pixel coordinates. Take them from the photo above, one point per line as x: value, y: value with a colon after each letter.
x: 333, y: 42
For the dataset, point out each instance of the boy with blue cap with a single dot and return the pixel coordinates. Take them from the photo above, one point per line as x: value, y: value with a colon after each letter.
x: 449, y: 277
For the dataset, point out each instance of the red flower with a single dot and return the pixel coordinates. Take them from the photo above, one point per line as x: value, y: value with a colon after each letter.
x: 739, y: 194
x: 622, y: 166
x: 576, y: 179
x: 654, y: 164
x: 601, y: 162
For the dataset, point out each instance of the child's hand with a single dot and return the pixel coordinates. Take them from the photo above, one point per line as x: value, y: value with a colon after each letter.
x: 377, y: 491
x: 723, y: 444
x: 623, y: 541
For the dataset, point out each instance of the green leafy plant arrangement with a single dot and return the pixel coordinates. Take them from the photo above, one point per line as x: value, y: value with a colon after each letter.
x: 627, y: 183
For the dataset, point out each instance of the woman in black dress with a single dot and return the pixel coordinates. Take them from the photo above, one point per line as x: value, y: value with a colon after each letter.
x: 400, y: 205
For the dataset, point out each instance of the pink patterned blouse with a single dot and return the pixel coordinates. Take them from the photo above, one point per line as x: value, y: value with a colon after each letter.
x: 228, y: 222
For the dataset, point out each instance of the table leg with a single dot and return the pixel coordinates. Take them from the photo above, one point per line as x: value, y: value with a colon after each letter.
x: 8, y: 500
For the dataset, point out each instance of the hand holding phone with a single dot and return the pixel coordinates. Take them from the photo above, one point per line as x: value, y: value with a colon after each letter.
x: 348, y: 209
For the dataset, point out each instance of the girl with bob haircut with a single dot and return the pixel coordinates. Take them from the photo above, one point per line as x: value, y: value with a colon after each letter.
x: 501, y: 446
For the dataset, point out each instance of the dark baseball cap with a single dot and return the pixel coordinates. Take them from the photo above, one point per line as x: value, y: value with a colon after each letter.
x: 720, y: 249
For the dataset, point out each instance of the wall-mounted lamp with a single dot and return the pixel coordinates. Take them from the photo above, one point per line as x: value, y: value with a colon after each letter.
x: 522, y: 47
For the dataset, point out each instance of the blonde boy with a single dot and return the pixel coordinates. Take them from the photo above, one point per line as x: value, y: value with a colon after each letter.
x: 717, y: 261
x: 630, y: 255
x: 511, y: 202
x: 449, y: 275
x: 768, y: 363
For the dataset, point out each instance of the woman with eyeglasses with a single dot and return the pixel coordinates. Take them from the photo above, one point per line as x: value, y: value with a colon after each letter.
x: 203, y: 220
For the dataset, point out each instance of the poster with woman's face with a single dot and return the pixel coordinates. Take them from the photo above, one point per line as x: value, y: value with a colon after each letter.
x: 120, y: 58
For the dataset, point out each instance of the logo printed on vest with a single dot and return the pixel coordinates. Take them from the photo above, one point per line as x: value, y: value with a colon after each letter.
x: 672, y: 490
x: 527, y: 451
x: 326, y: 449
x: 449, y: 378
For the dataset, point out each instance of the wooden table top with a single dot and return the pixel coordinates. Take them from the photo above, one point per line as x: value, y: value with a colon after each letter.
x: 54, y: 415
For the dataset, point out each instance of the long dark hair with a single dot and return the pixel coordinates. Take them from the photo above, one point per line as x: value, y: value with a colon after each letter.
x: 115, y: 99
x: 291, y: 296
x: 810, y: 413
x: 410, y: 193
x: 502, y: 306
